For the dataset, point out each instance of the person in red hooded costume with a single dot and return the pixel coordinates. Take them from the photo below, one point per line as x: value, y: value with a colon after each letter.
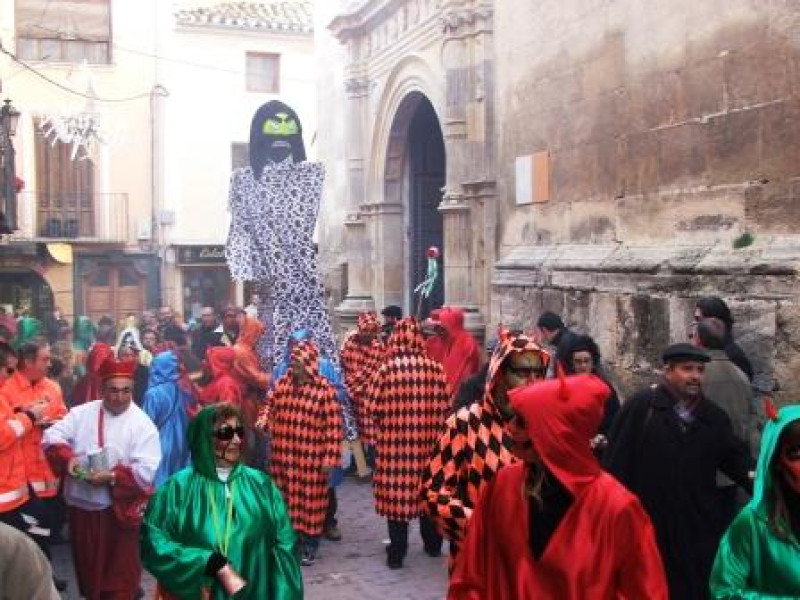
x: 224, y: 388
x: 556, y: 525
x: 453, y: 346
x: 90, y: 386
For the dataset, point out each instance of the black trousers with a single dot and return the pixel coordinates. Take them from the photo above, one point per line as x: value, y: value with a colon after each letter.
x: 330, y: 512
x: 398, y: 537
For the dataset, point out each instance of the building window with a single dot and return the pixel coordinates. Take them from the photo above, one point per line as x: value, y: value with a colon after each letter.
x: 64, y: 191
x: 65, y: 32
x: 263, y: 72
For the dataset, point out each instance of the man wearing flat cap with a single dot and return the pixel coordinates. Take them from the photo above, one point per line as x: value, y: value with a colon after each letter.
x: 666, y: 446
x: 108, y: 451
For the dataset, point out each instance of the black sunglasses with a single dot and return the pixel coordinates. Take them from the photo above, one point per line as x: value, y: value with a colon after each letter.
x: 225, y: 433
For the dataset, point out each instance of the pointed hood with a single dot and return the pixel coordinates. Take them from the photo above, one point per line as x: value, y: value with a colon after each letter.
x: 508, y: 343
x: 306, y: 351
x: 452, y: 319
x: 220, y: 360
x: 201, y: 443
x: 406, y: 338
x: 769, y: 445
x: 368, y: 323
x: 561, y: 416
x: 249, y: 332
x: 164, y: 369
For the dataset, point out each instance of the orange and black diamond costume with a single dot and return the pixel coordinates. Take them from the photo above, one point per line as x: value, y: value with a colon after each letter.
x: 305, y: 420
x: 359, y: 364
x: 475, y: 445
x: 408, y: 404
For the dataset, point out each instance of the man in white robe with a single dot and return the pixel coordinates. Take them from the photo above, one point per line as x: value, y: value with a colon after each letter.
x: 108, y: 451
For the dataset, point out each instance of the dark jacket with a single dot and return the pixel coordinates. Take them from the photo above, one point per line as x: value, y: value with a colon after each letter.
x: 203, y: 339
x: 672, y: 468
x: 472, y: 389
x: 739, y: 358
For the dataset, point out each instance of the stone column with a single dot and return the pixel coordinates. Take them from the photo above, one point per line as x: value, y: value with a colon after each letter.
x: 358, y: 249
x: 466, y: 27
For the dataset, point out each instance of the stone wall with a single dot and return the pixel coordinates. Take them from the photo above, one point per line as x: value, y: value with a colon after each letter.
x: 672, y: 130
x: 635, y: 301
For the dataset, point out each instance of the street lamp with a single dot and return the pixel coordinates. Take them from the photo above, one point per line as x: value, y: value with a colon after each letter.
x: 9, y: 119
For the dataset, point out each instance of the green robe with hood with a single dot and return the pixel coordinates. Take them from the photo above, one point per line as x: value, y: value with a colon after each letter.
x: 178, y: 534
x: 751, y: 561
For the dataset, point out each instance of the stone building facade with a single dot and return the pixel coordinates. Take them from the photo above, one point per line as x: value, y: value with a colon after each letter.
x: 611, y: 160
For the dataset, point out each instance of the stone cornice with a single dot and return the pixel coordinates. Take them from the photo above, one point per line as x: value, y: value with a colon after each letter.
x: 358, y: 86
x: 381, y: 24
x: 458, y: 20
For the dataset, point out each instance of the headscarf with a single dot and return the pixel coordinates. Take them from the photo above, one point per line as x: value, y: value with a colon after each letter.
x: 201, y: 442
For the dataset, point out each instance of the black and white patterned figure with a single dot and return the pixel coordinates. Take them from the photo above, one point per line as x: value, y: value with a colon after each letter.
x: 270, y: 242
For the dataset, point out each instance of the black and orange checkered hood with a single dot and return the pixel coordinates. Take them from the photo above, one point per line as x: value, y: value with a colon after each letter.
x: 307, y: 354
x: 509, y: 342
x: 368, y: 323
x: 406, y: 338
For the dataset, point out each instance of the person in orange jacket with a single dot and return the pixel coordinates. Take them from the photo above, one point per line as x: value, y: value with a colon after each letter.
x: 26, y: 388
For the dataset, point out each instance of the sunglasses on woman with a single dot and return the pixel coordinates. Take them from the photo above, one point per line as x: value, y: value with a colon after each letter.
x: 226, y: 432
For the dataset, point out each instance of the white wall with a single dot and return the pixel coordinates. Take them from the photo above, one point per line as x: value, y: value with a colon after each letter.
x: 209, y: 107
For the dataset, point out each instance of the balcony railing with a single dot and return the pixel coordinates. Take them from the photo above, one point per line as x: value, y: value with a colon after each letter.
x: 73, y: 216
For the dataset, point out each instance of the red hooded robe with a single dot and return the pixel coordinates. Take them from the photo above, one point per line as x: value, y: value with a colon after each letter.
x: 604, y: 545
x: 461, y: 356
x: 223, y: 387
x: 90, y: 386
x: 252, y: 379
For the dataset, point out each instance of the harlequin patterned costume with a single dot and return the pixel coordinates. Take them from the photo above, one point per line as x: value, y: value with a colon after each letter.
x: 359, y: 364
x: 475, y: 445
x: 408, y: 403
x: 306, y: 424
x: 270, y: 242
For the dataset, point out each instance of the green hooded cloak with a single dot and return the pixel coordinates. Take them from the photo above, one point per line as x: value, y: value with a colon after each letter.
x: 179, y: 535
x: 751, y: 561
x: 28, y: 329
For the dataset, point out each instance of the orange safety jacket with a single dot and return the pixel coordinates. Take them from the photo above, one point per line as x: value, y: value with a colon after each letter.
x: 13, y: 477
x: 20, y: 394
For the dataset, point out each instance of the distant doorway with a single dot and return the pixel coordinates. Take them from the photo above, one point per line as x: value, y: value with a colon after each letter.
x: 426, y: 178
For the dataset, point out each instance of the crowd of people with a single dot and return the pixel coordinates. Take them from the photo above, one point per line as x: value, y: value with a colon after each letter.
x: 177, y: 449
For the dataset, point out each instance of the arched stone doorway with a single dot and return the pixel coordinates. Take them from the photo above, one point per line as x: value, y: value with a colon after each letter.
x: 414, y: 178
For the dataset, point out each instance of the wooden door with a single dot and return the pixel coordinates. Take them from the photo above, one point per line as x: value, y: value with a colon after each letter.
x: 115, y: 290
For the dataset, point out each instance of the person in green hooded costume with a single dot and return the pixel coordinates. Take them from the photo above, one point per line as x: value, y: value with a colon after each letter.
x: 759, y: 557
x: 219, y: 529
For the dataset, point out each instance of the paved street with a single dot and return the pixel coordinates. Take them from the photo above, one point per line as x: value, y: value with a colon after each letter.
x: 352, y: 568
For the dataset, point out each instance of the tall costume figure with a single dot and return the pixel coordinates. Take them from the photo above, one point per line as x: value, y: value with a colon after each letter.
x: 168, y: 405
x: 217, y: 517
x: 274, y: 204
x: 760, y: 554
x: 556, y: 525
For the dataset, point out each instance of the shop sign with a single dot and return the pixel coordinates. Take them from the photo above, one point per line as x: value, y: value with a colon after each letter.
x: 201, y: 255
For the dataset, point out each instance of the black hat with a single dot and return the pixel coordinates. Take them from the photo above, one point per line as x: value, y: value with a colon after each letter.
x: 550, y: 321
x: 393, y: 311
x: 684, y: 352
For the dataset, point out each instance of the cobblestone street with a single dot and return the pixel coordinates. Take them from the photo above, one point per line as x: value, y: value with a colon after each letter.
x: 353, y: 568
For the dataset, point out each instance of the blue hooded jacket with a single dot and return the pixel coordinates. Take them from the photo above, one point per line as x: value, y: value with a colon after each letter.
x: 167, y: 405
